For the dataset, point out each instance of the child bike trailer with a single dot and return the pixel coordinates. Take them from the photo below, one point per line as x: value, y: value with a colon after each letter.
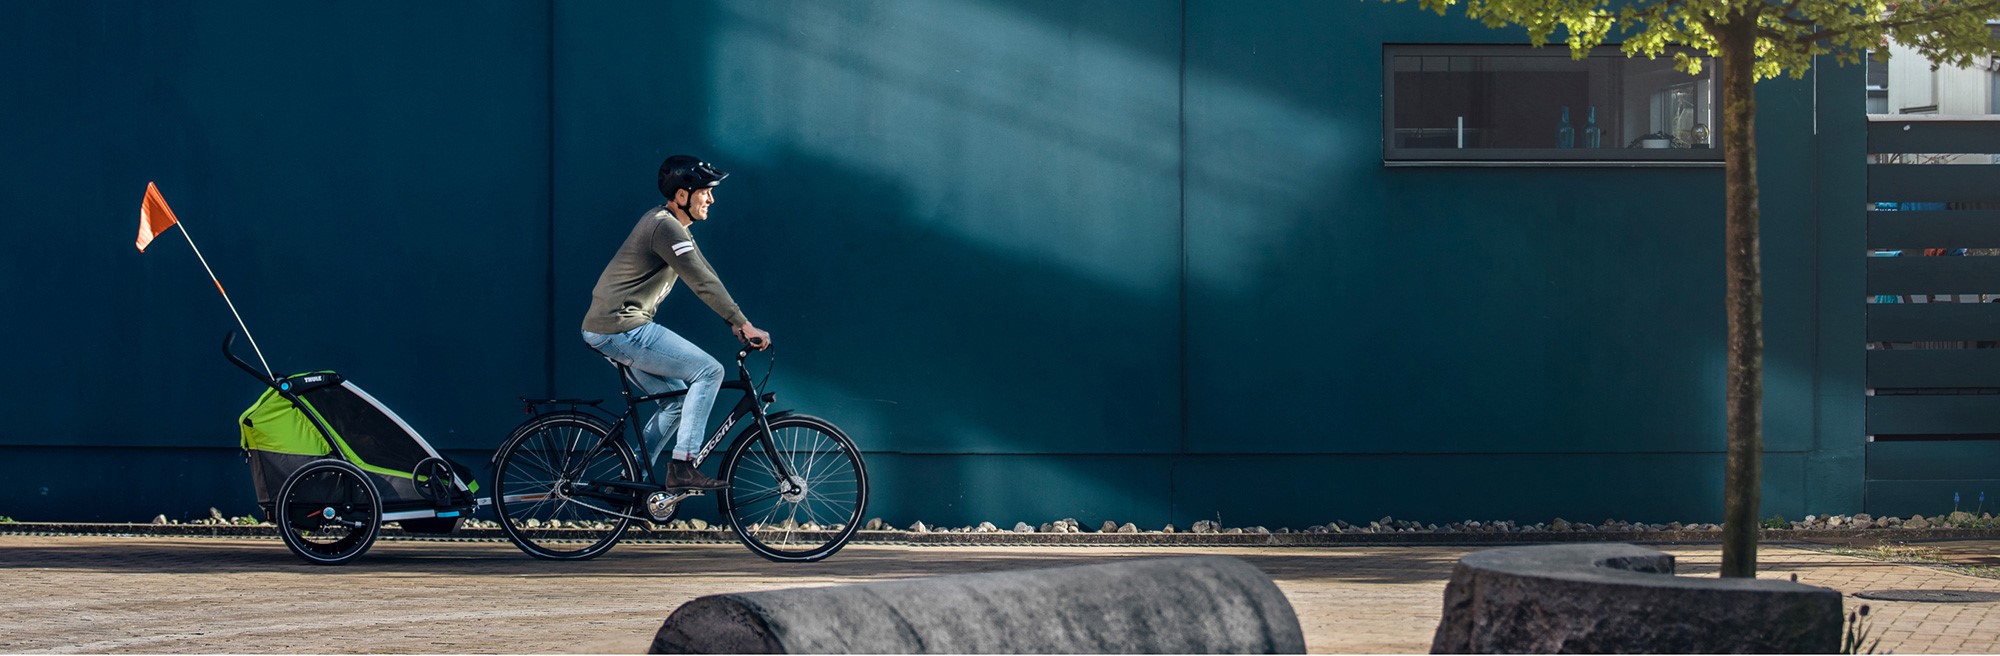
x: 331, y: 464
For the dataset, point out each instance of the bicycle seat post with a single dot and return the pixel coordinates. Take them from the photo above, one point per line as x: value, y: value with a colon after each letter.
x: 625, y: 384
x: 624, y: 379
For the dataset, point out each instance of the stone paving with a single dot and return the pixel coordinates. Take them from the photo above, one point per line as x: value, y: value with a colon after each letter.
x: 206, y: 595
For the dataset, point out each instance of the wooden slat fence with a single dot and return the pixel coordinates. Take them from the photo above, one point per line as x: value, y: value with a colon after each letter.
x: 1933, y: 328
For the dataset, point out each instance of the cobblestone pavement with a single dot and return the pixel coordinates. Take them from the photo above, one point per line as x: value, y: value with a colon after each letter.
x: 202, y: 595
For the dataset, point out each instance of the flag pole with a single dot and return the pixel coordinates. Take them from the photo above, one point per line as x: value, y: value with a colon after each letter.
x: 225, y: 299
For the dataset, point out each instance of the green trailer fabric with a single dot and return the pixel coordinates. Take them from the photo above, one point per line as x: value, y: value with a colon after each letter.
x: 272, y: 424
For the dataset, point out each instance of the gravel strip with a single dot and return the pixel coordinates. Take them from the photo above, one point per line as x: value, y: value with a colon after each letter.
x: 1012, y: 538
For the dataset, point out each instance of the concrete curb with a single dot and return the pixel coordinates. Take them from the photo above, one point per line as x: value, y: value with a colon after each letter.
x: 1005, y: 538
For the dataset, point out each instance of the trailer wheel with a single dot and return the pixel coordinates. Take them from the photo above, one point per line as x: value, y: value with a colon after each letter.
x: 328, y: 512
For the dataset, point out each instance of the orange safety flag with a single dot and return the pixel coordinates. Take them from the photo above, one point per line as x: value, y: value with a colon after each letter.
x: 154, y: 216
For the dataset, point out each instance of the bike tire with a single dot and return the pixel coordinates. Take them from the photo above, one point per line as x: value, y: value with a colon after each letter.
x: 328, y: 512
x: 834, y: 496
x: 526, y: 475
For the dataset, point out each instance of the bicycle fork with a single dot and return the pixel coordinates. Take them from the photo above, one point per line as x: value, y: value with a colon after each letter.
x: 788, y: 483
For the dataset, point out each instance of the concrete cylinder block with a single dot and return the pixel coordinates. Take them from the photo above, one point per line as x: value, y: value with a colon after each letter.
x: 1204, y: 604
x: 1622, y: 598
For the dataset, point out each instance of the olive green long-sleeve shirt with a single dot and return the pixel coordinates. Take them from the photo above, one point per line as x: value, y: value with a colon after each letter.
x: 658, y: 251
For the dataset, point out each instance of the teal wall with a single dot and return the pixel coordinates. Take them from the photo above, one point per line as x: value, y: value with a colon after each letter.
x: 1136, y: 261
x: 375, y: 197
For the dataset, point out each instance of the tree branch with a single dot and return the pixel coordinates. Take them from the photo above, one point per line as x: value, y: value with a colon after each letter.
x: 1987, y: 7
x: 1665, y: 9
x: 1706, y: 21
x: 1786, y: 13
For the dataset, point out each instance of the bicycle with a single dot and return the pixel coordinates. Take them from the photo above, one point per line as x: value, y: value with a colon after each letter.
x: 568, y: 475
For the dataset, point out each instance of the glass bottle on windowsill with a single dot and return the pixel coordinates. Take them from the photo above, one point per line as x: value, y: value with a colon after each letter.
x: 1592, y: 137
x: 1565, y: 135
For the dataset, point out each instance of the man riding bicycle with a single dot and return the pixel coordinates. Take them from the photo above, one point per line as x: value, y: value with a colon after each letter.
x: 620, y: 322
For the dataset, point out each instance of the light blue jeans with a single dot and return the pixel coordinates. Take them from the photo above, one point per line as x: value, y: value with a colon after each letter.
x: 662, y: 361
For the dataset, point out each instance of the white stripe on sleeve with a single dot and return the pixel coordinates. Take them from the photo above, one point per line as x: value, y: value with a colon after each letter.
x: 683, y: 247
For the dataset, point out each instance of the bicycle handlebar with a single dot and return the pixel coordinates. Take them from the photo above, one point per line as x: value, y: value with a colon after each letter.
x: 743, y: 371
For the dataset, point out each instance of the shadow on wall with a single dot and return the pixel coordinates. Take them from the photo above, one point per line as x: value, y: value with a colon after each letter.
x: 924, y: 344
x: 960, y: 226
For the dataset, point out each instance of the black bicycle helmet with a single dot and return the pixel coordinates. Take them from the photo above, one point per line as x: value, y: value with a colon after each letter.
x: 687, y: 172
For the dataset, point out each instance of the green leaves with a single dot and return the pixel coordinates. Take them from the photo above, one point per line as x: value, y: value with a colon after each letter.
x: 1789, y: 32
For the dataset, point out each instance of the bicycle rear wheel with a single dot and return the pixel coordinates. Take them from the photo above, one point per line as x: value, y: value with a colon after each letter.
x: 811, y: 515
x: 551, y: 503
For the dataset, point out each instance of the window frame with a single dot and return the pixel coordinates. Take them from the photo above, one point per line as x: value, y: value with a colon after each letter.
x: 1564, y: 157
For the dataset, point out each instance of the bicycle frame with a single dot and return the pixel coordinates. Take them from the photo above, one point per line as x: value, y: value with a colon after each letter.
x: 752, y: 403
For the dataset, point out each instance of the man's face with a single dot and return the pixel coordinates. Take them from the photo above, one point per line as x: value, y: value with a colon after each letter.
x: 698, y: 202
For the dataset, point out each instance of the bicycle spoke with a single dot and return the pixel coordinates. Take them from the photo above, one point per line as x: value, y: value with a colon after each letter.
x: 813, y: 460
x: 762, y: 457
x: 548, y: 453
x: 812, y: 516
x: 544, y: 466
x: 753, y: 500
x: 791, y: 522
x: 766, y: 521
x: 772, y: 488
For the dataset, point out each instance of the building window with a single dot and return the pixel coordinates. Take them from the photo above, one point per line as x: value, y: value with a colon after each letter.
x: 1517, y: 103
x: 1993, y: 92
x: 1877, y: 74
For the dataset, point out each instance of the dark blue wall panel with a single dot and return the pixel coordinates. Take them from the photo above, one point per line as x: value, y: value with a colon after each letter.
x: 1458, y: 310
x: 368, y: 180
x: 1338, y: 306
x: 1836, y: 462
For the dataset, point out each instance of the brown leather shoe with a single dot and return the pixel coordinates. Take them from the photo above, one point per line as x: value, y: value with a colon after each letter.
x: 683, y: 476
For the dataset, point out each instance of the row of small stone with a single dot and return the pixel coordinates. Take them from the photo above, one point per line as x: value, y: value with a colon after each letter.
x: 1383, y: 525
x: 214, y: 518
x: 1957, y: 519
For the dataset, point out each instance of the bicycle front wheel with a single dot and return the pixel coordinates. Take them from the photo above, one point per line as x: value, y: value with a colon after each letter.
x: 549, y: 488
x: 806, y: 514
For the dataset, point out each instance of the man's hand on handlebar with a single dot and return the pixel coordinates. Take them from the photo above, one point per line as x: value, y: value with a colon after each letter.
x: 753, y: 336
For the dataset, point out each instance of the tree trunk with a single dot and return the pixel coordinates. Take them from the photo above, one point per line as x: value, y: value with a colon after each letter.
x: 1743, y: 299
